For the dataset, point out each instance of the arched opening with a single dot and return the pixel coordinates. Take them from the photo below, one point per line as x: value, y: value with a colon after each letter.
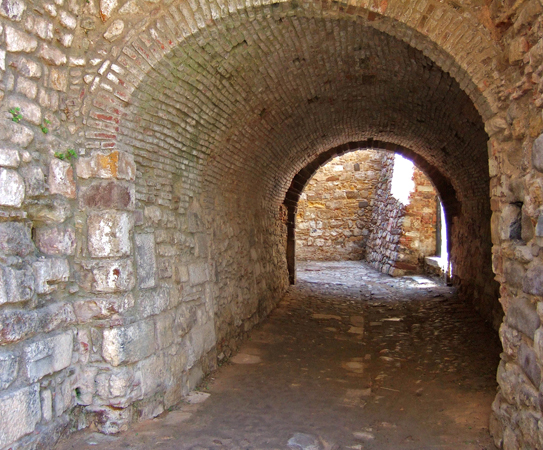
x: 221, y: 124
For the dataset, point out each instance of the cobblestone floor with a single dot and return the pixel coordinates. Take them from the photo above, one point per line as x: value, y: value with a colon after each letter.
x: 350, y: 359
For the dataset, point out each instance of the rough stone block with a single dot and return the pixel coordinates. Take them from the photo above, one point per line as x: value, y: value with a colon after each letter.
x: 113, y: 276
x: 49, y: 272
x: 533, y: 281
x: 165, y: 330
x: 129, y: 344
x: 522, y: 316
x: 34, y: 180
x: 114, y: 30
x: 108, y: 195
x: 61, y: 178
x: 17, y: 41
x: 46, y: 405
x: 9, y: 366
x: 109, y: 234
x: 145, y: 260
x: 30, y: 111
x: 154, y: 302
x: 9, y: 158
x: 110, y: 420
x: 528, y: 362
x: 16, y: 285
x: 15, y: 239
x: 57, y: 240
x: 107, y: 165
x: 198, y: 273
x: 153, y: 374
x: 52, y: 55
x: 48, y: 355
x: 537, y: 154
x: 20, y: 412
x: 16, y: 133
x: 102, y: 308
x: 17, y: 325
x: 12, y: 188
x: 12, y: 9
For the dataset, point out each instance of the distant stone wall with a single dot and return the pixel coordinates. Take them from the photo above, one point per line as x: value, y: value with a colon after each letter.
x: 335, y: 210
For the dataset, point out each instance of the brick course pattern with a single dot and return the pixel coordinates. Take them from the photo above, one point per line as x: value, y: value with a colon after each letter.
x: 128, y: 272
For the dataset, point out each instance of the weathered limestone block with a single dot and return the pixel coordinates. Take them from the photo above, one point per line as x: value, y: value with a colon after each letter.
x: 129, y: 344
x: 52, y: 55
x: 34, y: 180
x: 16, y: 133
x: 118, y: 382
x: 16, y: 285
x: 114, y: 30
x: 533, y: 281
x: 15, y: 239
x: 50, y: 210
x: 30, y: 111
x: 56, y: 240
x: 85, y: 385
x: 17, y: 41
x: 154, y: 301
x: 106, y: 8
x: 522, y: 315
x: 20, y: 412
x: 108, y: 195
x: 61, y: 178
x: 17, y: 325
x: 9, y: 366
x: 46, y: 398
x: 113, y: 276
x: 198, y: 273
x: 49, y: 355
x: 102, y: 308
x: 9, y: 158
x: 109, y: 420
x: 12, y: 188
x: 537, y: 154
x: 516, y: 387
x: 107, y: 165
x: 165, y: 330
x: 146, y: 260
x: 12, y: 9
x: 109, y: 234
x: 49, y: 272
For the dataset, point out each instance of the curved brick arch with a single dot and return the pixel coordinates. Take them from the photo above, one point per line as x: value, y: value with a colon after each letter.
x: 441, y: 32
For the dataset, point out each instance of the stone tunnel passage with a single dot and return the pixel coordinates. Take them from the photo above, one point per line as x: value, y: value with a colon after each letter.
x: 127, y: 272
x: 389, y: 363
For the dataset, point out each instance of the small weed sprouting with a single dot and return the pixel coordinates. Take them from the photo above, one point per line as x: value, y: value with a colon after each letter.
x: 69, y: 155
x: 44, y: 127
x: 16, y: 114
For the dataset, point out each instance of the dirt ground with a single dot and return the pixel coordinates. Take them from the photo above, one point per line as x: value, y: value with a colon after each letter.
x: 350, y: 359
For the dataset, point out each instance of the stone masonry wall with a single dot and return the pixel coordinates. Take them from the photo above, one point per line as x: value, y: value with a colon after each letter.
x: 403, y: 235
x: 334, y: 212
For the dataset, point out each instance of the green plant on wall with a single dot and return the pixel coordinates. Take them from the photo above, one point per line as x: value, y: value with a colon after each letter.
x: 69, y: 155
x: 44, y: 127
x: 16, y: 114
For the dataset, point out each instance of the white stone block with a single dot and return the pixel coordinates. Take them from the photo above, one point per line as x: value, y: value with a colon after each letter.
x: 20, y: 411
x: 48, y: 355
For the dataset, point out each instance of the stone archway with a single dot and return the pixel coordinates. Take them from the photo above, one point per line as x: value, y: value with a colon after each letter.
x: 191, y: 121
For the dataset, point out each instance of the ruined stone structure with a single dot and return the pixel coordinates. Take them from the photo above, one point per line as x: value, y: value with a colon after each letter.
x: 402, y: 234
x: 349, y: 204
x: 128, y: 271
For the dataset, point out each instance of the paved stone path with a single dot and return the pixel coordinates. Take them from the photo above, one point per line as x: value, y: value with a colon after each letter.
x: 350, y: 359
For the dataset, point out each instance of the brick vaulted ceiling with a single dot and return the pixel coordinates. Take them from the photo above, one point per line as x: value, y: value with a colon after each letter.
x: 240, y: 107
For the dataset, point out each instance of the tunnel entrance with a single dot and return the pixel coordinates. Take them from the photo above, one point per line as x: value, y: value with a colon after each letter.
x: 375, y: 206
